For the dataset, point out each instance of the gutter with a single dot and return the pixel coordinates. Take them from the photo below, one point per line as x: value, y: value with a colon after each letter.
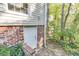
x: 46, y: 22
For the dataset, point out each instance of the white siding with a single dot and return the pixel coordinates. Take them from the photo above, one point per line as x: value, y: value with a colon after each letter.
x: 35, y: 16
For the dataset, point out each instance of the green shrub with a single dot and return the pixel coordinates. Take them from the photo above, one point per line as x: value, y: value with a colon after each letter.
x: 11, y: 51
x: 16, y: 50
x: 4, y: 50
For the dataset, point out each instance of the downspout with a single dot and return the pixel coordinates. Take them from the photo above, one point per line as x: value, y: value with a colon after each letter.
x: 46, y: 22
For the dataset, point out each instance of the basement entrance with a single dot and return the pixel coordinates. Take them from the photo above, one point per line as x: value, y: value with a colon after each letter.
x: 30, y: 36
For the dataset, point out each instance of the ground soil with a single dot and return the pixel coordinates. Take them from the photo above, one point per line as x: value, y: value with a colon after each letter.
x: 53, y: 49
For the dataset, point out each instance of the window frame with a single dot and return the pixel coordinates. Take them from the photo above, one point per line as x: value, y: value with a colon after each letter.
x: 17, y: 13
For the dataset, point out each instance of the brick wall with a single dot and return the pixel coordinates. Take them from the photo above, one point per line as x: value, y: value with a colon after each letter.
x: 40, y: 35
x: 11, y: 35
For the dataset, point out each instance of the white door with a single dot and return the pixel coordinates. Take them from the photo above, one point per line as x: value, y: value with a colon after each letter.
x: 30, y: 36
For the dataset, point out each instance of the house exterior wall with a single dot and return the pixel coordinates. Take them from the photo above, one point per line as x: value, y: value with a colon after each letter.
x: 11, y: 32
x: 40, y: 36
x: 11, y: 35
x: 35, y: 16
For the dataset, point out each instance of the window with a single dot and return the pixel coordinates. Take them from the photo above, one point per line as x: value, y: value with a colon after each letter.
x: 18, y: 7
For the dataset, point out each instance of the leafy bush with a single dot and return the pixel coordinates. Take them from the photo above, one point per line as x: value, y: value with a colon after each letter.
x: 70, y: 48
x: 4, y: 50
x: 11, y: 51
x: 16, y: 50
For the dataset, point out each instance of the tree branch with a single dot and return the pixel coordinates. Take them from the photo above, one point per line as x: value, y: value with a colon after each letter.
x: 67, y: 14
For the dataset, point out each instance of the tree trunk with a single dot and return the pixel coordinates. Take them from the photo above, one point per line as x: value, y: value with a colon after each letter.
x: 67, y: 14
x: 62, y: 22
x: 64, y: 19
